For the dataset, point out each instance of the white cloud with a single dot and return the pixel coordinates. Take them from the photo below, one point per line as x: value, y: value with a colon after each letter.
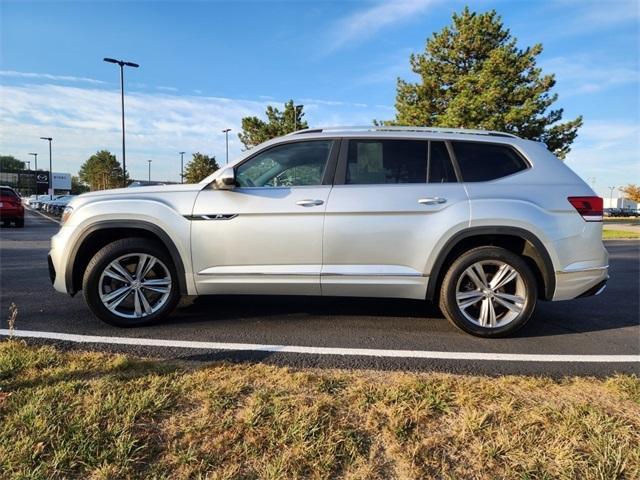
x: 582, y: 74
x: 167, y: 89
x: 84, y: 120
x: 608, y: 152
x: 367, y: 22
x: 48, y: 76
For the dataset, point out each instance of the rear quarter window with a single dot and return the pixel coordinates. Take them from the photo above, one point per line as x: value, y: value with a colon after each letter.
x: 481, y: 162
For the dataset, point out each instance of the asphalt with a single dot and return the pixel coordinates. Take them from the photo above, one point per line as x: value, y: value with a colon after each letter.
x: 605, y: 325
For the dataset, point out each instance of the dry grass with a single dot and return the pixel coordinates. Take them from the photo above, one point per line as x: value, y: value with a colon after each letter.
x: 618, y: 234
x: 92, y: 415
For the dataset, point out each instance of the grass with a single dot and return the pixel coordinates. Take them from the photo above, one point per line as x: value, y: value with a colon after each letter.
x: 95, y: 415
x: 618, y: 234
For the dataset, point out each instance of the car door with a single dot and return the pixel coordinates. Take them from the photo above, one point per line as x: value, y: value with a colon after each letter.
x: 265, y: 235
x: 393, y: 202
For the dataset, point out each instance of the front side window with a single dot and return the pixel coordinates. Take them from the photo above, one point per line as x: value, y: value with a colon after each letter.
x: 386, y: 161
x: 481, y: 162
x: 289, y: 165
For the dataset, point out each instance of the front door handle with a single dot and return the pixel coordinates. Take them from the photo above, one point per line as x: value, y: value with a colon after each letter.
x: 432, y: 201
x: 309, y: 203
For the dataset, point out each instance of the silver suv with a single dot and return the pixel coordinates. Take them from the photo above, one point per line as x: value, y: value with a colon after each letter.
x: 482, y: 222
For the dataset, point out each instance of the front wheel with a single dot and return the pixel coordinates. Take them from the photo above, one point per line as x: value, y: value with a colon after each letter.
x: 489, y: 292
x: 131, y: 282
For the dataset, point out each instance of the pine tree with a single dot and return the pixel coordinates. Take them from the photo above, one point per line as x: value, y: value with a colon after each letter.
x: 472, y: 75
x: 200, y: 167
x: 255, y: 131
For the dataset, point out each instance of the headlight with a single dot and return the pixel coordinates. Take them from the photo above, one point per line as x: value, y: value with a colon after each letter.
x: 66, y: 214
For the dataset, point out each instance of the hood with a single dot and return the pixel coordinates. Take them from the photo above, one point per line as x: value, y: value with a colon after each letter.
x: 159, y: 189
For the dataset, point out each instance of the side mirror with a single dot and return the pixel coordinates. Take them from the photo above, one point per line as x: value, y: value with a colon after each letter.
x: 226, y: 181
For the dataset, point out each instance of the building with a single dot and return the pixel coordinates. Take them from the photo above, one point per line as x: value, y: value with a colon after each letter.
x: 31, y: 182
x: 620, y: 202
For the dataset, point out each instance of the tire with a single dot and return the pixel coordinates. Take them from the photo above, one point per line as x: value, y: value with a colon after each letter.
x: 20, y: 222
x: 113, y: 269
x: 475, y: 276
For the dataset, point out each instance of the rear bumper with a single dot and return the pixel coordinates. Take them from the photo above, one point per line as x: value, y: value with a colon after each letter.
x: 580, y: 283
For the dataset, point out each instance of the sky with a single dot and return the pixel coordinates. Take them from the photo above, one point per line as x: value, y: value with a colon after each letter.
x: 206, y: 64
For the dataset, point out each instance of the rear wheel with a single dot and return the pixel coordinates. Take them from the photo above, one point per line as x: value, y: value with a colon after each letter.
x: 131, y: 282
x: 20, y: 222
x: 489, y: 292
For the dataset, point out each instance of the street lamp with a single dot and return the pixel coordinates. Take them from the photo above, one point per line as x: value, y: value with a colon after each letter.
x: 611, y: 189
x: 49, y: 139
x: 122, y: 64
x: 149, y: 169
x: 35, y: 157
x: 226, y: 134
x: 181, y: 166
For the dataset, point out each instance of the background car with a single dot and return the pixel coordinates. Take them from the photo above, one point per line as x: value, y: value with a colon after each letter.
x: 57, y: 206
x: 11, y: 209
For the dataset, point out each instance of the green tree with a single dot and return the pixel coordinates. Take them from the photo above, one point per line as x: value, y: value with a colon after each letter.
x: 472, y: 75
x: 200, y: 167
x: 9, y: 163
x: 255, y: 131
x: 78, y: 187
x: 101, y: 171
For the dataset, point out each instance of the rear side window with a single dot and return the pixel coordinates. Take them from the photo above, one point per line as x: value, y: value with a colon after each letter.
x: 7, y: 192
x: 440, y: 167
x: 386, y: 161
x: 480, y: 162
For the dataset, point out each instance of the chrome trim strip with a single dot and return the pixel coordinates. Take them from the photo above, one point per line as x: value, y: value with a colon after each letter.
x: 212, y: 216
x: 583, y: 270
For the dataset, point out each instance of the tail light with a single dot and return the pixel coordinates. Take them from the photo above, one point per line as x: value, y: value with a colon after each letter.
x: 589, y: 207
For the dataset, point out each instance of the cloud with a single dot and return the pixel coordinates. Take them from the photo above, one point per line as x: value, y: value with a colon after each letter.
x: 84, y: 120
x: 607, y: 152
x: 365, y: 23
x: 582, y: 75
x: 167, y: 89
x: 48, y: 76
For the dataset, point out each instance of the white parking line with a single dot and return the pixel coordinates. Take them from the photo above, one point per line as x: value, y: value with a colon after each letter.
x: 361, y: 352
x: 43, y: 215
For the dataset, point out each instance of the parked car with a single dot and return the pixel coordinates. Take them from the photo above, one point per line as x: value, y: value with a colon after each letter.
x: 57, y: 206
x: 42, y: 203
x: 11, y: 209
x: 484, y: 223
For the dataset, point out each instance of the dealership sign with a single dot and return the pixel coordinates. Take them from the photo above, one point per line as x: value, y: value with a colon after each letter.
x: 61, y: 181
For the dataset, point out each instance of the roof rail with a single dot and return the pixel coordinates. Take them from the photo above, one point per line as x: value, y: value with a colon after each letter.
x: 384, y: 128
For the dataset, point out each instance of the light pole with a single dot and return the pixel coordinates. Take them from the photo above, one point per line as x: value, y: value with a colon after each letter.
x: 35, y: 158
x: 49, y: 139
x: 35, y: 175
x: 122, y: 64
x: 611, y: 189
x: 181, y: 166
x: 149, y: 169
x: 226, y: 134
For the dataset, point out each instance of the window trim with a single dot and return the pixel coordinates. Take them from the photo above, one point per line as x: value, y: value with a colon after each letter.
x: 461, y: 179
x: 343, y: 159
x: 329, y: 170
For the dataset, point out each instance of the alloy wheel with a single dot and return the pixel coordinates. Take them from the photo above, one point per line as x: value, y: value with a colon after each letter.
x: 135, y: 285
x: 491, y: 293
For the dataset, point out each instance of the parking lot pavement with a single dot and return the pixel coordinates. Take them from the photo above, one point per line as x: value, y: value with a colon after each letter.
x: 604, y: 325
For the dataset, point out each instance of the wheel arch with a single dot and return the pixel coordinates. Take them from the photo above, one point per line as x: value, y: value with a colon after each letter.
x: 515, y: 239
x: 99, y: 234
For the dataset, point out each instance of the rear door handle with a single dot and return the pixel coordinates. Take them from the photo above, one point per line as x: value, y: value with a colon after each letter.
x: 309, y: 203
x: 432, y: 201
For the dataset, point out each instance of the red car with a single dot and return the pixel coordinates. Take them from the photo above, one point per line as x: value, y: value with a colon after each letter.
x: 11, y: 209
